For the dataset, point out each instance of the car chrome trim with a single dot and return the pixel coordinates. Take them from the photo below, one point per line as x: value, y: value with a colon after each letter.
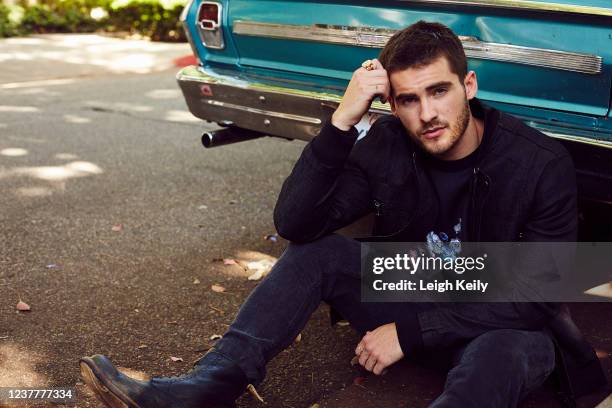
x: 311, y: 108
x: 378, y: 37
x: 185, y: 12
x: 523, y: 5
x: 205, y: 76
x: 290, y: 116
x: 578, y: 139
x: 184, y: 24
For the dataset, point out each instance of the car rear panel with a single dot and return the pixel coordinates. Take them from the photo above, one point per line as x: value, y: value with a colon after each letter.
x: 298, y: 36
x: 550, y: 67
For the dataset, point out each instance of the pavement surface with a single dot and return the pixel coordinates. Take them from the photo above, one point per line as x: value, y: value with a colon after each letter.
x: 84, y: 151
x: 115, y: 219
x: 53, y: 56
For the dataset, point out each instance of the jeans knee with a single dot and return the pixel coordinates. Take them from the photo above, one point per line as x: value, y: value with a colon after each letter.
x: 528, y: 354
x: 324, y: 249
x: 324, y: 256
x: 321, y: 244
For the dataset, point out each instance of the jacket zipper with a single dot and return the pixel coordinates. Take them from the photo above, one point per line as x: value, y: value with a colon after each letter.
x: 379, y: 204
x: 472, y: 216
x: 487, y: 181
x: 476, y: 213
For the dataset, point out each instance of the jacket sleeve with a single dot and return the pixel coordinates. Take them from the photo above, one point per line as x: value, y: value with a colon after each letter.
x: 326, y: 189
x: 552, y: 218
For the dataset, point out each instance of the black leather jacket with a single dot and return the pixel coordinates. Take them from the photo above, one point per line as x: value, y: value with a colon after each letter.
x: 523, y: 189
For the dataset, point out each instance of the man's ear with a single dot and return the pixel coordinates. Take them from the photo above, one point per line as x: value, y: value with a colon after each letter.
x: 471, y: 85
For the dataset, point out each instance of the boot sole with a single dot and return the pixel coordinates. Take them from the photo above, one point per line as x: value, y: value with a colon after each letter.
x: 106, y: 392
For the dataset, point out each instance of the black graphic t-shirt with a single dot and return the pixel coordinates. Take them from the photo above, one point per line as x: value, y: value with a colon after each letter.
x: 451, y: 180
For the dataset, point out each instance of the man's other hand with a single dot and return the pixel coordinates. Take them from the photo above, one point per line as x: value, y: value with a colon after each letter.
x: 379, y: 349
x: 361, y: 90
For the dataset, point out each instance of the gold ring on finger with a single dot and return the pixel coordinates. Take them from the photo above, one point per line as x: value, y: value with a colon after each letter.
x: 368, y: 65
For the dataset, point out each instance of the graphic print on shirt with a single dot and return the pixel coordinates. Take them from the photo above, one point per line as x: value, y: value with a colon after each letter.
x: 442, y: 246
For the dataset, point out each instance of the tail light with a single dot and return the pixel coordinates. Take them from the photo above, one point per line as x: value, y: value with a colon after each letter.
x: 208, y: 16
x: 209, y: 23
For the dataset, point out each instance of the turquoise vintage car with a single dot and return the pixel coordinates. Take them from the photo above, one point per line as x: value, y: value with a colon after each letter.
x: 279, y: 68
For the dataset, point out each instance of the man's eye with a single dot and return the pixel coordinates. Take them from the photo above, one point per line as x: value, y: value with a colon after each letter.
x: 440, y: 91
x: 407, y: 101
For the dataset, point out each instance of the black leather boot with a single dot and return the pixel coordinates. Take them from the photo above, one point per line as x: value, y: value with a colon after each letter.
x: 214, y: 382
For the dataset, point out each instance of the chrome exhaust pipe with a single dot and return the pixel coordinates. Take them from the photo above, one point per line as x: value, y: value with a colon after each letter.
x: 228, y: 135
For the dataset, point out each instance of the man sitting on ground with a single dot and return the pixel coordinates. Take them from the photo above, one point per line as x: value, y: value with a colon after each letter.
x: 442, y: 167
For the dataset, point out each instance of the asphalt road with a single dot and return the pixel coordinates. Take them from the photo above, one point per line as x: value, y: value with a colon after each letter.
x: 84, y: 154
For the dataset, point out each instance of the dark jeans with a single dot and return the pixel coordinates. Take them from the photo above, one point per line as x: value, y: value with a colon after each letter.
x: 496, y: 369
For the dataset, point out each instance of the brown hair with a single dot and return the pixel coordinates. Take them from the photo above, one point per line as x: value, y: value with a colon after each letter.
x: 420, y: 44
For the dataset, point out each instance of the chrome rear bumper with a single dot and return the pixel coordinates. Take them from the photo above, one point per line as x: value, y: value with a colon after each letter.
x: 276, y: 110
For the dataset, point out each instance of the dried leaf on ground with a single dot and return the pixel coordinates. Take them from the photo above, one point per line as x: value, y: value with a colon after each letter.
x: 117, y: 227
x: 217, y: 288
x: 216, y: 308
x: 176, y: 359
x: 143, y: 346
x: 260, y: 268
x: 52, y: 266
x: 23, y: 306
x: 298, y: 338
x: 215, y: 337
x: 251, y: 389
x: 230, y: 261
x: 354, y: 361
x: 196, y: 281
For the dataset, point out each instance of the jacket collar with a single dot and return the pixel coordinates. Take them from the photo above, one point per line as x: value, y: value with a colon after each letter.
x: 484, y: 112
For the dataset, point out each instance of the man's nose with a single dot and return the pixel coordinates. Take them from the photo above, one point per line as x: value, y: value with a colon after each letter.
x: 428, y: 111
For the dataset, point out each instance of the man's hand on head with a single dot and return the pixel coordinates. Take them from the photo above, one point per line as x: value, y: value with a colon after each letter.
x: 364, y: 86
x: 379, y: 349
